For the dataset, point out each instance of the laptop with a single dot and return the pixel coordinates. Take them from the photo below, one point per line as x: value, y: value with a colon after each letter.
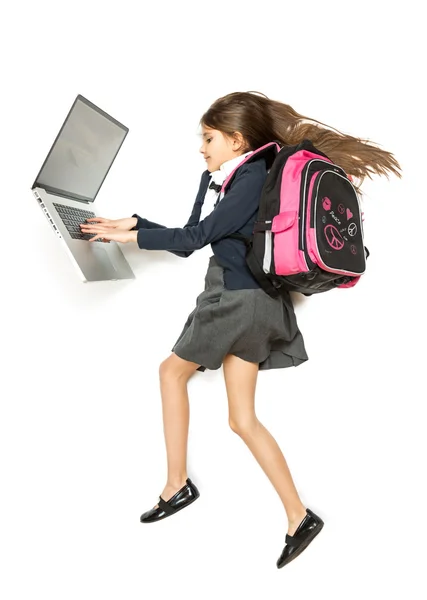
x: 69, y: 181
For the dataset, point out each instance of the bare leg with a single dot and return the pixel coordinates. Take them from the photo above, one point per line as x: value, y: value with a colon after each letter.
x: 240, y: 380
x: 174, y: 374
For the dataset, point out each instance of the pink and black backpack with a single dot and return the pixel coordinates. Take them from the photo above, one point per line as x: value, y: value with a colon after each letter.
x: 308, y: 236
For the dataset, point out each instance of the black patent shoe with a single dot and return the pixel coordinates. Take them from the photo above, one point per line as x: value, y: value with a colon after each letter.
x: 183, y: 497
x: 306, y: 531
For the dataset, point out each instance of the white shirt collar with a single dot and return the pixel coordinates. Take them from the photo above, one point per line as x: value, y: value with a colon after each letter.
x: 219, y: 176
x: 229, y: 165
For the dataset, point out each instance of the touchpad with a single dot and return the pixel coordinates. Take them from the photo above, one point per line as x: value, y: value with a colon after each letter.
x: 103, y: 264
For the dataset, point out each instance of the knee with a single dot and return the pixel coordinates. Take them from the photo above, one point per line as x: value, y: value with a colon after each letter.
x: 244, y: 426
x: 169, y: 370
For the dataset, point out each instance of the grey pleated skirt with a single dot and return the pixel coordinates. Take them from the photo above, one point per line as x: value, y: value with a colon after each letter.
x: 247, y: 323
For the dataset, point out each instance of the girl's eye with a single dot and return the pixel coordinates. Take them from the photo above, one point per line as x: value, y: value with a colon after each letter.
x: 209, y: 139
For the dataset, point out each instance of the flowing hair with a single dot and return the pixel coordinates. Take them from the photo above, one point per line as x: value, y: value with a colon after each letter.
x: 261, y: 120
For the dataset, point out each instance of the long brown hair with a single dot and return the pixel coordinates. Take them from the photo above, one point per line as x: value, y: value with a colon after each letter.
x: 261, y: 120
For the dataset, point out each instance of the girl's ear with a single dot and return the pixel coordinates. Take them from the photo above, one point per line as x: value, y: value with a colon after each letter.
x: 237, y: 140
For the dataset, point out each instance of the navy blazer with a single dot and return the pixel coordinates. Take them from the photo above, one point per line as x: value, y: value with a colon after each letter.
x: 236, y: 212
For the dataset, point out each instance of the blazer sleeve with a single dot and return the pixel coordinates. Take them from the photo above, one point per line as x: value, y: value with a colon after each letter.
x: 239, y: 205
x: 193, y: 220
x: 145, y: 223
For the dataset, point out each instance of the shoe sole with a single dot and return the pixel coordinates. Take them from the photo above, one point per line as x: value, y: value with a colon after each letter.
x: 176, y: 510
x: 303, y: 546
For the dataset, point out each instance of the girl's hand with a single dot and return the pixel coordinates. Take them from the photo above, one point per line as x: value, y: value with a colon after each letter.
x: 112, y: 234
x: 127, y: 223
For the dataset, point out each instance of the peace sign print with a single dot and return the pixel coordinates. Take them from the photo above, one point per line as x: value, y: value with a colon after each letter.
x: 333, y: 237
x: 352, y: 229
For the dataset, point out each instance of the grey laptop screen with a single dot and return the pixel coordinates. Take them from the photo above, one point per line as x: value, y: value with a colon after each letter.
x: 82, y: 153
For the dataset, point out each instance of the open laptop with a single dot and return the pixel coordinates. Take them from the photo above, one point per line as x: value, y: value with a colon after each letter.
x: 69, y: 181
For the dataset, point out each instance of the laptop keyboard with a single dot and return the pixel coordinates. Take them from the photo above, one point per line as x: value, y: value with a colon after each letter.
x: 72, y: 218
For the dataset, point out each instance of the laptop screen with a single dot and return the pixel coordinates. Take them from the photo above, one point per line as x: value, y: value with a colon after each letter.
x: 82, y: 153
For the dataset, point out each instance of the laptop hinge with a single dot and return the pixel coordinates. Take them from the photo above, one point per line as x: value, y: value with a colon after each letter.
x: 53, y: 192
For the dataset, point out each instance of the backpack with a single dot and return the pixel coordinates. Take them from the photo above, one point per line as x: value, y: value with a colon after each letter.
x: 308, y: 235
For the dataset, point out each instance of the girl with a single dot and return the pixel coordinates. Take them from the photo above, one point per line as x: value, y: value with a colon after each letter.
x: 235, y: 323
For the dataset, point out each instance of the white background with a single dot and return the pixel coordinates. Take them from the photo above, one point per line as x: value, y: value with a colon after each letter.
x: 82, y: 449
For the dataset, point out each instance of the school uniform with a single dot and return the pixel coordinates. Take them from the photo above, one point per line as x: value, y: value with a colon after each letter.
x: 233, y: 314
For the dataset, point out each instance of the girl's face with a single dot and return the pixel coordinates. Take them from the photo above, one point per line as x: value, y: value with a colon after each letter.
x: 217, y: 148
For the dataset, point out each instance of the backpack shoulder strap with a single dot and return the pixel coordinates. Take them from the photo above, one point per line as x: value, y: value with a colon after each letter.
x: 268, y: 152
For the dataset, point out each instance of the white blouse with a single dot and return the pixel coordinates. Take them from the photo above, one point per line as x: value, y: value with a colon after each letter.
x: 219, y: 177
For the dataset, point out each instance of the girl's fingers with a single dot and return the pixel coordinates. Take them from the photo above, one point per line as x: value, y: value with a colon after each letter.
x: 94, y: 228
x: 99, y: 225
